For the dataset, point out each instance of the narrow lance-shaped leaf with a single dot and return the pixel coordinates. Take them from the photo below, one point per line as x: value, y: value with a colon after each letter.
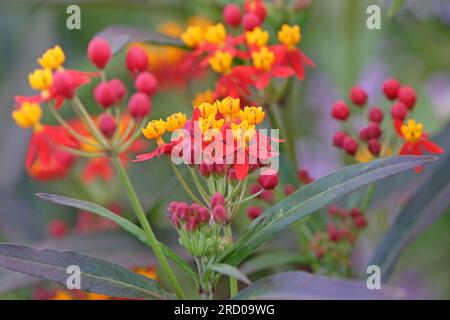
x: 96, y: 275
x: 312, y: 197
x: 122, y: 222
x: 230, y: 271
x: 426, y: 204
x: 119, y: 36
x: 303, y: 285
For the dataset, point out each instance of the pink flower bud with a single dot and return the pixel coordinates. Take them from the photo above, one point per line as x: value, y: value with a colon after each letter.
x: 232, y: 15
x: 255, y: 188
x: 64, y: 84
x: 220, y: 214
x: 203, y: 215
x: 376, y: 115
x: 139, y: 105
x: 340, y: 111
x: 217, y: 200
x: 57, y: 228
x: 104, y: 94
x: 391, y: 88
x: 268, y: 181
x: 374, y: 147
x: 205, y: 169
x: 136, y: 60
x: 358, y: 96
x: 338, y: 139
x: 146, y: 82
x: 191, y: 224
x: 107, y: 125
x: 350, y: 145
x: 267, y: 196
x: 289, y: 189
x: 99, y: 52
x: 399, y: 111
x: 219, y: 169
x: 374, y: 130
x: 182, y: 210
x: 407, y: 96
x: 119, y: 89
x: 250, y: 21
x: 333, y: 233
x: 254, y: 212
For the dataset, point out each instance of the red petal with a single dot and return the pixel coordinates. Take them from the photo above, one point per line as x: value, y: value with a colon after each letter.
x: 241, y: 170
x: 262, y: 80
x: 296, y: 64
x: 431, y: 146
x: 282, y: 72
x: 306, y: 59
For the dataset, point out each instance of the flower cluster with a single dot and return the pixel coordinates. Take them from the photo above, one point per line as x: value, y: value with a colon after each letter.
x: 219, y: 138
x: 370, y: 141
x: 53, y: 149
x: 247, y: 60
x: 333, y: 247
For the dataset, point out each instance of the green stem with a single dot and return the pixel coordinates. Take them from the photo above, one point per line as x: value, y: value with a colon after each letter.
x: 93, y: 130
x: 146, y: 227
x: 233, y: 281
x: 199, y: 186
x: 184, y: 184
x: 367, y: 197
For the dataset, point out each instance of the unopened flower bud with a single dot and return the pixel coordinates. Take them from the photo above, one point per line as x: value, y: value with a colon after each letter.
x: 250, y: 21
x: 203, y: 215
x: 374, y: 147
x: 289, y: 189
x: 139, y: 105
x: 268, y: 181
x: 57, y: 228
x: 374, y: 130
x: 146, y: 82
x: 220, y: 214
x: 64, y: 85
x: 391, y: 88
x: 333, y: 233
x: 136, y: 60
x: 254, y: 212
x: 232, y: 14
x: 205, y: 169
x: 99, y: 52
x: 217, y: 199
x: 107, y: 125
x: 399, y: 111
x: 119, y: 88
x: 350, y: 145
x: 364, y: 133
x: 104, y: 94
x: 338, y: 139
x: 376, y: 115
x: 340, y: 110
x: 358, y: 96
x: 407, y: 96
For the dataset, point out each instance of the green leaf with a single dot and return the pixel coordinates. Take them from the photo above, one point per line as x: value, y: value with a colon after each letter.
x: 122, y: 222
x: 270, y: 260
x: 396, y: 5
x: 302, y: 285
x: 96, y: 275
x: 119, y: 36
x: 429, y: 201
x: 230, y: 271
x: 312, y: 197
